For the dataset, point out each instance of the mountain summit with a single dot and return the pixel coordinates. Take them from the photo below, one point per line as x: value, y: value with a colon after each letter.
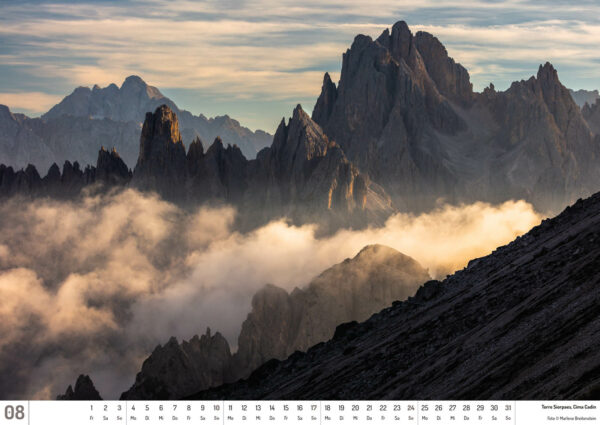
x: 405, y: 113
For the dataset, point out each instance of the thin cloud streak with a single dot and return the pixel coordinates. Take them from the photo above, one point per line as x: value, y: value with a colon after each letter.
x: 277, y: 51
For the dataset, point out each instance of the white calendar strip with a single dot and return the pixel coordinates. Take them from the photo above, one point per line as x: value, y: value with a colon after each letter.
x: 298, y: 412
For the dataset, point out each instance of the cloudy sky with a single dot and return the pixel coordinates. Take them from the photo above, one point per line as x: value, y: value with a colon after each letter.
x: 256, y: 59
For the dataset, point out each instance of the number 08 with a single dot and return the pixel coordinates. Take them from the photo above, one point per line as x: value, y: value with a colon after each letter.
x: 14, y: 412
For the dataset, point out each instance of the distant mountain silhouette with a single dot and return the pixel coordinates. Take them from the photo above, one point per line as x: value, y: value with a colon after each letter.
x: 88, y: 118
x: 581, y: 97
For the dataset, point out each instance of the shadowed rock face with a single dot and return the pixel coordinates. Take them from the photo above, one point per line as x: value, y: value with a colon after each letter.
x: 546, y: 149
x: 304, y: 175
x: 281, y: 323
x: 405, y: 113
x: 591, y: 113
x: 111, y: 169
x: 219, y: 174
x: 84, y: 390
x: 521, y: 323
x: 174, y: 370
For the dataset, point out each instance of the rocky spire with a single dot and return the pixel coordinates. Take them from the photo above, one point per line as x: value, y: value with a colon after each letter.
x: 162, y: 159
x: 557, y: 97
x: 451, y: 79
x: 175, y: 370
x: 325, y: 102
x: 84, y: 390
x: 110, y: 168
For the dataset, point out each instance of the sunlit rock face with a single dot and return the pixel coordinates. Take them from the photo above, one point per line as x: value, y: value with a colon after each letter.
x: 162, y: 159
x: 306, y: 176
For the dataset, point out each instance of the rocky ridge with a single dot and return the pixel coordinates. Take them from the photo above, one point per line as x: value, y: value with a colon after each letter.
x: 302, y: 176
x: 405, y: 113
x: 110, y: 172
x: 402, y: 130
x: 281, y: 323
x: 521, y: 323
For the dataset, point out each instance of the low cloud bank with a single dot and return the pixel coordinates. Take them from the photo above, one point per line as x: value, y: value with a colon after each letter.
x: 93, y: 286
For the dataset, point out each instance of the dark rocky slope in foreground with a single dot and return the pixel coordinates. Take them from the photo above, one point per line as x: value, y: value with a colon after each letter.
x: 521, y: 323
x: 281, y: 323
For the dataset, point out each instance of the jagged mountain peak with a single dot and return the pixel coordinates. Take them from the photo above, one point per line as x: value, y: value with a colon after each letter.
x: 84, y: 390
x: 133, y: 81
x: 137, y: 84
x: 163, y: 123
x: 299, y: 114
x: 547, y: 72
x: 161, y: 164
x: 326, y: 100
x: 196, y: 149
x: 399, y: 42
x: 300, y: 140
x: 217, y: 145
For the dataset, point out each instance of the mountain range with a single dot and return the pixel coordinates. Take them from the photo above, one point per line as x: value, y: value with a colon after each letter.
x: 402, y: 130
x: 302, y: 176
x: 406, y: 114
x: 87, y: 119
